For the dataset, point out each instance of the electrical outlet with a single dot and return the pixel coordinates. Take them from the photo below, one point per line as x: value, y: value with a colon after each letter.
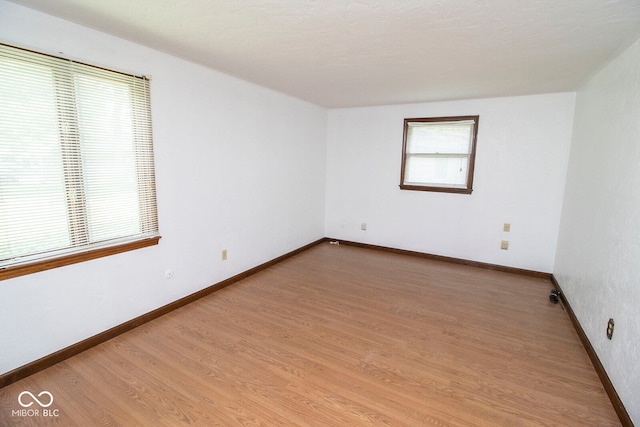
x: 224, y: 254
x: 507, y: 227
x: 610, y: 326
x: 363, y: 226
x: 504, y: 245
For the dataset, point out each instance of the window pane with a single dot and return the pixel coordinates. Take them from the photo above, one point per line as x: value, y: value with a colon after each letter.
x: 108, y: 156
x: 33, y: 210
x: 439, y: 154
x: 452, y: 137
x: 76, y: 161
x: 437, y: 171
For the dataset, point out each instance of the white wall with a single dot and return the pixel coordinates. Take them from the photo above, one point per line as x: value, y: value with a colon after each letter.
x: 522, y: 153
x: 598, y: 258
x: 238, y: 167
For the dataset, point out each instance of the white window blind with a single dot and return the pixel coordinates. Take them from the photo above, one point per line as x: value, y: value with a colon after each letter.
x: 439, y: 153
x: 76, y: 158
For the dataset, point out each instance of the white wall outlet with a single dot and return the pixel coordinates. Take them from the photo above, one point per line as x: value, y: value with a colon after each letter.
x: 504, y: 245
x: 363, y: 226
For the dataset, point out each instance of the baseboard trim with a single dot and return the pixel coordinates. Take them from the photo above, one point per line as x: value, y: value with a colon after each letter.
x: 496, y: 267
x: 67, y: 352
x: 619, y: 407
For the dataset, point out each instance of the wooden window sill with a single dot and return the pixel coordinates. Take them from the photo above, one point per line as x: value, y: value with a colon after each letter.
x: 34, y: 267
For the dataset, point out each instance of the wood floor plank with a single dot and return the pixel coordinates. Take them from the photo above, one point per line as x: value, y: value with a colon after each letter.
x: 338, y: 335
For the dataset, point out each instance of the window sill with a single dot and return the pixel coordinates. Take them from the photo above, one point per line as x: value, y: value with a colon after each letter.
x: 436, y: 189
x: 34, y: 267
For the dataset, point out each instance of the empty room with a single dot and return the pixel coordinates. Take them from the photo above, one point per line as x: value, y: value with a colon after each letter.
x: 319, y: 213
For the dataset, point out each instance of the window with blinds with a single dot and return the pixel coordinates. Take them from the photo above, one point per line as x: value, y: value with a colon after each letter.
x: 439, y: 153
x: 76, y: 162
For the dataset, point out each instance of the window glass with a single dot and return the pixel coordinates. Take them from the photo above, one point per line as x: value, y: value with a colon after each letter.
x: 439, y: 154
x: 76, y: 160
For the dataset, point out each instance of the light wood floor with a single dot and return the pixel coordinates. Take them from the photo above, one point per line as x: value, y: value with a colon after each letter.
x: 338, y: 336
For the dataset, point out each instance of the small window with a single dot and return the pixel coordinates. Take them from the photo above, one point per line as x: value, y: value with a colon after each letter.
x: 76, y: 162
x: 438, y: 154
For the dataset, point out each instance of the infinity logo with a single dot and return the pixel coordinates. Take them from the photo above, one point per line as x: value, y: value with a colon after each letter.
x: 44, y: 405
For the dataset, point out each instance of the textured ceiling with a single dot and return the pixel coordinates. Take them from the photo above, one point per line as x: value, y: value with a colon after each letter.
x: 341, y: 53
